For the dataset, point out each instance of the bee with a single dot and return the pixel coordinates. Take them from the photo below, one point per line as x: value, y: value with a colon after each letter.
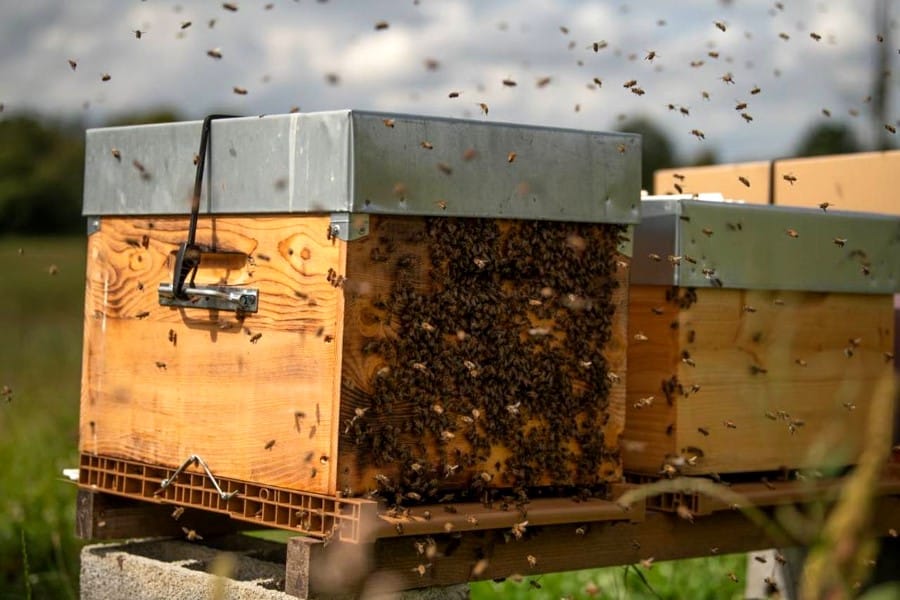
x: 640, y: 337
x: 598, y: 82
x: 657, y: 310
x: 138, y: 33
x: 746, y: 117
x: 185, y: 24
x: 214, y: 53
x: 733, y: 577
x: 270, y: 444
x: 824, y: 206
x: 705, y: 95
x: 239, y: 90
x: 7, y: 393
x: 697, y: 63
x: 597, y: 46
x: 176, y: 514
x: 173, y: 337
x: 511, y: 157
x: 791, y: 232
x: 230, y: 6
x: 721, y: 25
x: 892, y: 532
x: 161, y: 365
x: 105, y: 77
x: 678, y: 176
x: 801, y: 362
x: 849, y: 406
x: 630, y: 83
x: 543, y: 82
x: 73, y: 64
x: 255, y: 338
x: 637, y: 91
x: 685, y: 513
x: 780, y: 559
x: 472, y: 520
x: 727, y: 78
x: 532, y: 560
x: 484, y: 108
x: 647, y: 563
x: 784, y: 36
x: 888, y: 356
x: 654, y: 257
x: 712, y: 54
x: 509, y: 83
x: 427, y: 145
x: 445, y: 169
x: 729, y: 424
x: 685, y: 111
x: 642, y: 402
x: 707, y: 231
x: 142, y: 315
x: 650, y: 55
x: 699, y: 134
x: 826, y: 112
x: 480, y: 567
x: 432, y: 64
x: 703, y: 430
x: 621, y: 148
x: 890, y: 128
x: 453, y: 95
x: 191, y: 535
x: 689, y: 361
x: 381, y: 25
x: 789, y: 178
x: 581, y: 531
x: 815, y: 36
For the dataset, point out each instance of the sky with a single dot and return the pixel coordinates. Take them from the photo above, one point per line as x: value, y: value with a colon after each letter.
x: 528, y: 61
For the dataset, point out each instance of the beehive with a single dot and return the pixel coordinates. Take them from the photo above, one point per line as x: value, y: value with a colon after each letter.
x: 757, y: 335
x: 441, y: 306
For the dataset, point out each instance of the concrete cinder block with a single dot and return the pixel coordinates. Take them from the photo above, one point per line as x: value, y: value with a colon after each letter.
x: 245, y: 569
x: 175, y: 569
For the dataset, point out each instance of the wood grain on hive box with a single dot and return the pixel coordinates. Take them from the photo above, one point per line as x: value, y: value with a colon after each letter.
x: 162, y: 383
x: 269, y: 397
x: 789, y: 356
x: 757, y: 335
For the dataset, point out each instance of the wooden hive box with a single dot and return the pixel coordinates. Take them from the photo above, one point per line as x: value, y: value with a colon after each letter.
x: 440, y: 309
x: 757, y: 335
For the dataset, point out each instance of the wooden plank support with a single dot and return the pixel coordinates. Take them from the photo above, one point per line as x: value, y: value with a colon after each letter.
x: 102, y: 516
x: 662, y: 536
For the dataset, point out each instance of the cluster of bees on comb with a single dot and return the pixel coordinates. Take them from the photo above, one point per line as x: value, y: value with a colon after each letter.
x: 495, y: 378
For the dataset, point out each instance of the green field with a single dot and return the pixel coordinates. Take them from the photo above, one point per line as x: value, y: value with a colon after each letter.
x: 40, y: 360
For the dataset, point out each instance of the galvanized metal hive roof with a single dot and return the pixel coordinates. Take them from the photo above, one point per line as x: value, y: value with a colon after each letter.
x: 701, y: 243
x: 363, y: 162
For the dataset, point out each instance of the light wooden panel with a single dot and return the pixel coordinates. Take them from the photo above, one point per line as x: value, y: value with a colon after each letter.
x: 254, y: 408
x: 756, y: 352
x: 866, y: 181
x: 371, y: 274
x: 723, y: 179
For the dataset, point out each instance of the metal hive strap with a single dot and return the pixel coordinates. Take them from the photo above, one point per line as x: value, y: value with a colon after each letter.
x: 193, y: 459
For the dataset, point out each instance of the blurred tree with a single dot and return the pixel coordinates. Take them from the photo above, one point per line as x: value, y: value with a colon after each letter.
x: 827, y: 138
x: 155, y: 115
x: 41, y: 176
x: 705, y: 157
x: 656, y: 148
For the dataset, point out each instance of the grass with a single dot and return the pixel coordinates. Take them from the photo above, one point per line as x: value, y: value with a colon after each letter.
x: 40, y: 359
x: 698, y: 579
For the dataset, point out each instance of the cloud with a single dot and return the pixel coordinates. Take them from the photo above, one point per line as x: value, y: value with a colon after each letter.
x: 282, y: 57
